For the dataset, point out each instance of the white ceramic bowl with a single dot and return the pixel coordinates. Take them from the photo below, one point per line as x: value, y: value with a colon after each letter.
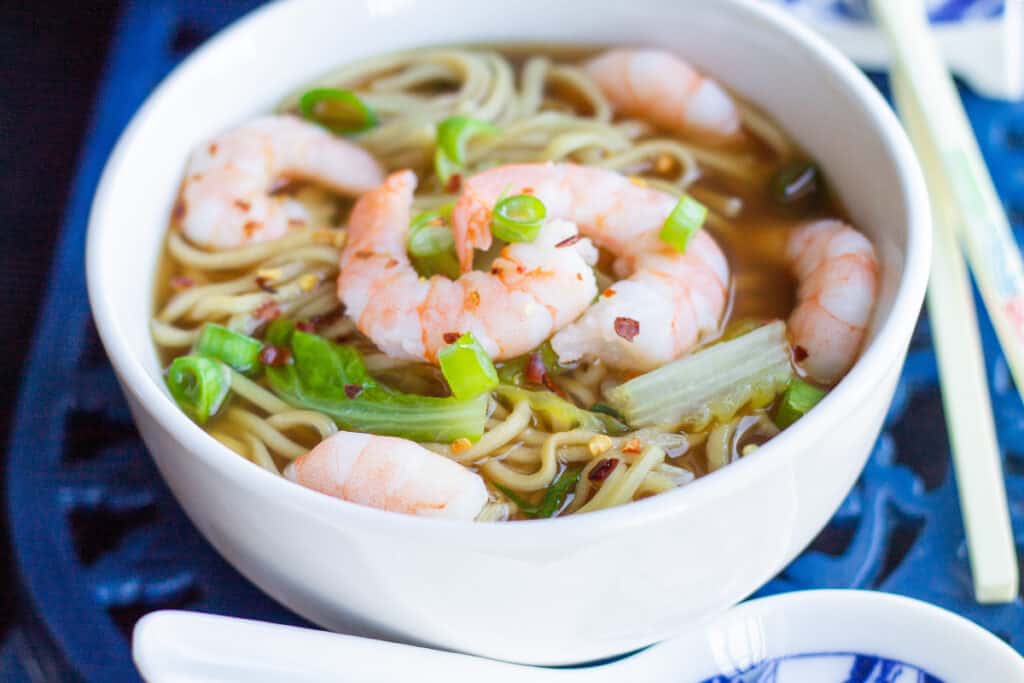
x: 543, y: 592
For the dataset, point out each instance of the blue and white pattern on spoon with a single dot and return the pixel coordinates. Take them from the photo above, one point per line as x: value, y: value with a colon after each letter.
x: 829, y: 668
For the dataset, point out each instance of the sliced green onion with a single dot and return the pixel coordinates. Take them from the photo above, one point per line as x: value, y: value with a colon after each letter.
x: 711, y: 384
x: 237, y: 350
x: 467, y: 368
x: 606, y: 409
x: 518, y: 218
x: 340, y: 111
x: 554, y: 496
x: 561, y: 415
x: 452, y: 135
x: 431, y: 245
x: 798, y: 398
x: 798, y: 185
x: 686, y: 219
x: 199, y: 385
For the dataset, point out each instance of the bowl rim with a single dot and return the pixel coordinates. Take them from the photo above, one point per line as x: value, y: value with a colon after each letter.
x: 883, y: 351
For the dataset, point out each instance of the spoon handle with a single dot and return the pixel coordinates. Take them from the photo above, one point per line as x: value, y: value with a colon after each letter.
x: 181, y: 647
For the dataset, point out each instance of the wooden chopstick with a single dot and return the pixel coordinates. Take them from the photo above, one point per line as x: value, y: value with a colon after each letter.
x: 958, y: 348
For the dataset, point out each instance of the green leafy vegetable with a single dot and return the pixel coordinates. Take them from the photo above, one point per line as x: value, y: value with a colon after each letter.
x: 279, y: 332
x: 333, y: 379
x: 518, y: 218
x: 237, y: 350
x: 199, y: 385
x: 340, y: 111
x: 686, y: 219
x: 798, y: 398
x: 467, y: 368
x: 713, y: 383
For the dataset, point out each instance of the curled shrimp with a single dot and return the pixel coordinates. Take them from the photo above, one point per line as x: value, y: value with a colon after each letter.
x: 391, y: 474
x: 659, y: 86
x: 228, y: 199
x: 532, y: 289
x: 837, y: 273
x: 667, y: 301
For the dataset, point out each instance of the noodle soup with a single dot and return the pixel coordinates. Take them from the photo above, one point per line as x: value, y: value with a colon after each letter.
x: 722, y: 293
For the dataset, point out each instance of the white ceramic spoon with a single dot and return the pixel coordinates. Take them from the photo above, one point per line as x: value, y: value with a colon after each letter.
x: 182, y: 647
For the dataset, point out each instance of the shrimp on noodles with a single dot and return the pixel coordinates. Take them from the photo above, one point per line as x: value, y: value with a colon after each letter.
x: 228, y: 198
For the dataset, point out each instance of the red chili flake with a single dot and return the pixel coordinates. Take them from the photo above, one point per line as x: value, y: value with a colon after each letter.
x: 305, y: 326
x: 799, y: 353
x: 250, y: 228
x: 264, y: 284
x: 602, y: 469
x: 275, y: 356
x: 181, y: 282
x: 267, y: 311
x: 520, y: 269
x: 495, y: 270
x: 627, y: 328
x: 454, y: 183
x: 579, y: 276
x: 568, y: 241
x: 608, y: 293
x: 631, y: 446
x: 535, y: 369
x: 553, y: 387
x: 243, y: 205
x: 450, y: 337
x: 391, y: 263
x: 353, y: 390
x: 212, y: 148
x: 179, y: 210
x: 364, y: 254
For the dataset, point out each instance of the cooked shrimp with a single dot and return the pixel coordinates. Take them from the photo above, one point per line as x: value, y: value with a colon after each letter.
x: 228, y: 199
x: 532, y: 290
x: 391, y: 474
x: 838, y: 283
x: 668, y: 301
x: 659, y: 86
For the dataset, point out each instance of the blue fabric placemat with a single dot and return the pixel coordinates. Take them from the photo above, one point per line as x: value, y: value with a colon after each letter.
x: 99, y: 540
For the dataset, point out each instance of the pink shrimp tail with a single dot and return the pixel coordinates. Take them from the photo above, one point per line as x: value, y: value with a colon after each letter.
x: 471, y: 227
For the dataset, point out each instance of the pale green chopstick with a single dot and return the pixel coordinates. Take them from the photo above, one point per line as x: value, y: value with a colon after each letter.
x: 940, y: 133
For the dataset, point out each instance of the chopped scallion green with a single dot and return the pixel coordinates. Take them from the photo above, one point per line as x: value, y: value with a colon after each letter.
x: 467, y: 368
x: 340, y: 111
x: 686, y: 219
x: 798, y: 398
x: 431, y: 245
x: 518, y: 218
x: 199, y: 385
x: 452, y: 135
